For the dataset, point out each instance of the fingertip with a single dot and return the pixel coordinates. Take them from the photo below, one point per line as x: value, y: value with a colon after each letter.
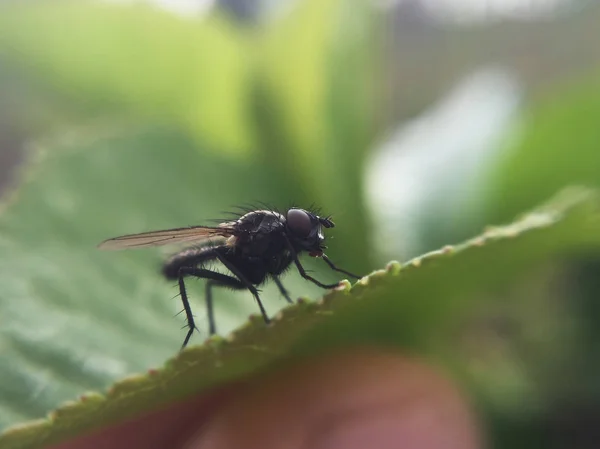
x: 356, y: 398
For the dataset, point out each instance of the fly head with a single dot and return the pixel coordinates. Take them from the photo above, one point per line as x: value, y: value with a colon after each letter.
x: 305, y: 229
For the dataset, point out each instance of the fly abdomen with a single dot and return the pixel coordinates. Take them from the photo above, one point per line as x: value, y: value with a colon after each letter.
x: 192, y: 257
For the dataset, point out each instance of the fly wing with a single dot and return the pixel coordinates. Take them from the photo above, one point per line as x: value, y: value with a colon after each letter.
x: 194, y: 234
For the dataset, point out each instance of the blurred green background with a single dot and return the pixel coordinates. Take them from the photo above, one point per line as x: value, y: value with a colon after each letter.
x: 415, y: 123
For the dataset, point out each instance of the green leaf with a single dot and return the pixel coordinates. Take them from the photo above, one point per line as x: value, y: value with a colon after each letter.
x: 294, y: 65
x: 315, y: 108
x: 314, y: 69
x: 558, y: 145
x: 138, y: 61
x: 76, y: 318
x: 48, y: 285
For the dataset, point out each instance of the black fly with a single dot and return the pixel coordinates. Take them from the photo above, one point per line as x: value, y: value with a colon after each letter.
x: 259, y: 245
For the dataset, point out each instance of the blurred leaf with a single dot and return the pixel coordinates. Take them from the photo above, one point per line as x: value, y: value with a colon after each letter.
x: 314, y: 71
x: 353, y: 73
x: 294, y: 64
x: 315, y: 106
x: 418, y: 308
x: 134, y: 59
x: 559, y: 145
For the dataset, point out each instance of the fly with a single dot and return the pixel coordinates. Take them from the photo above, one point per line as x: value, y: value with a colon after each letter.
x: 259, y: 245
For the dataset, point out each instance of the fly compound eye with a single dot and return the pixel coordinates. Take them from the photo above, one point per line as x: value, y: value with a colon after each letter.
x: 299, y: 222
